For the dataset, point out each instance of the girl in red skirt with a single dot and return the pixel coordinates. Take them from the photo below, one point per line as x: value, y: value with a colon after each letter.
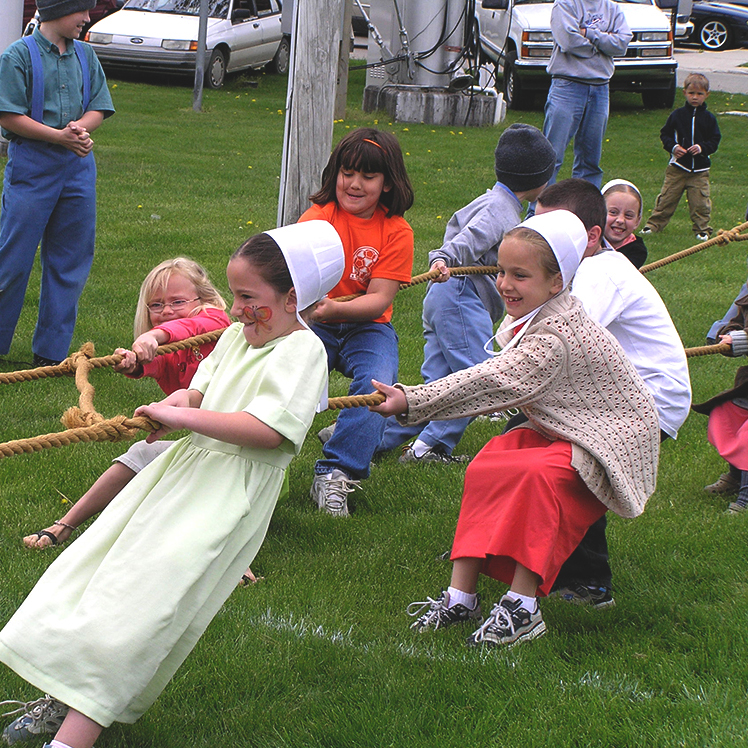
x: 591, y: 442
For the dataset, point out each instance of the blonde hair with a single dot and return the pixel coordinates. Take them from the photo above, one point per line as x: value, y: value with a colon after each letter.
x: 539, y: 246
x: 157, y: 280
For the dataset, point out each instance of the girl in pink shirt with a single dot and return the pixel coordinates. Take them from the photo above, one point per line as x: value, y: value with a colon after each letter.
x: 177, y: 301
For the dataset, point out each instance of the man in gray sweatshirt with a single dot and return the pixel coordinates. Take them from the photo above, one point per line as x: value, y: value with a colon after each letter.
x: 587, y: 35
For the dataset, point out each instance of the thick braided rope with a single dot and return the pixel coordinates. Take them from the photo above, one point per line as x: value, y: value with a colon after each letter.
x: 722, y: 238
x: 68, y: 367
x: 708, y: 350
x: 83, y: 423
x: 111, y: 430
x: 355, y: 401
x: 424, y: 277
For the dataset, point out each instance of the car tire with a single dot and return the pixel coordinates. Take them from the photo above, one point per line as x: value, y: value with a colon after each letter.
x: 215, y: 73
x: 279, y: 64
x: 659, y: 98
x: 714, y: 35
x: 514, y: 95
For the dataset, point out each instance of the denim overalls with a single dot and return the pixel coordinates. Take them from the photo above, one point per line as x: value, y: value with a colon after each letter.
x: 49, y: 197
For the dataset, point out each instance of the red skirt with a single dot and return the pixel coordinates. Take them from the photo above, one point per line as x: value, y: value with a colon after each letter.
x: 728, y: 432
x: 524, y: 503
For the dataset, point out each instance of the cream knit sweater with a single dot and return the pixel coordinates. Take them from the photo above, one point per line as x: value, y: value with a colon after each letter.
x: 572, y: 380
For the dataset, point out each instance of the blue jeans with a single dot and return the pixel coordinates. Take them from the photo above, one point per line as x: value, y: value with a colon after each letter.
x: 455, y: 327
x: 49, y: 196
x: 578, y: 111
x: 362, y: 351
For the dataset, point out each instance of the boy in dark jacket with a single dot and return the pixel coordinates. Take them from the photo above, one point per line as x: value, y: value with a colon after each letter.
x: 690, y: 135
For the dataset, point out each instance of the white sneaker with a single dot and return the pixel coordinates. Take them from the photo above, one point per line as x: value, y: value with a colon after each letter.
x: 330, y: 492
x: 507, y: 625
x: 702, y: 237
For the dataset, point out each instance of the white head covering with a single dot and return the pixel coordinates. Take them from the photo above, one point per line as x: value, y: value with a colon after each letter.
x: 624, y: 182
x: 315, y: 258
x: 565, y: 234
x: 567, y: 238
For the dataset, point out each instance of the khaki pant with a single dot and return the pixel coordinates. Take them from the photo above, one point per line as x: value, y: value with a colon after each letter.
x: 696, y: 187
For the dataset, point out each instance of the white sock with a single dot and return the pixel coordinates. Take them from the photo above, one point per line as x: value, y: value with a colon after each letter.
x: 420, y: 448
x: 458, y: 597
x: 58, y: 744
x: 530, y: 604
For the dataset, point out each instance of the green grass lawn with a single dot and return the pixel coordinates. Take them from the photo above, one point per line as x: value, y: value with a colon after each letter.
x: 319, y: 653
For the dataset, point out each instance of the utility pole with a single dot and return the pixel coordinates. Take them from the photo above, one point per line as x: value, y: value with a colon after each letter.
x: 310, y: 103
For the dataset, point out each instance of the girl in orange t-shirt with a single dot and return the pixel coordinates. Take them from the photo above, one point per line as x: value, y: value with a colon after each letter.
x: 365, y: 192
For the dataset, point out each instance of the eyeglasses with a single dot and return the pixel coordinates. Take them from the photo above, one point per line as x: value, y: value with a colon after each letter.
x: 176, y: 306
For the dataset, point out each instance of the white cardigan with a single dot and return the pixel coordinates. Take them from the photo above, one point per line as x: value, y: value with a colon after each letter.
x: 573, y: 381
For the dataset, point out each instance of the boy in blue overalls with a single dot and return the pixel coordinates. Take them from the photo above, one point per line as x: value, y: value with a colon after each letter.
x: 53, y: 95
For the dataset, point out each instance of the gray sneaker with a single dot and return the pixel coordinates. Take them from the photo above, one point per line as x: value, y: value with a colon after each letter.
x: 330, y: 492
x: 508, y: 624
x: 437, y: 453
x: 735, y: 508
x: 44, y: 715
x: 439, y: 615
x: 325, y: 434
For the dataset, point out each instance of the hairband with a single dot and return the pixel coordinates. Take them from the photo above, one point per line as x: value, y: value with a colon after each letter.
x: 621, y: 183
x: 374, y: 142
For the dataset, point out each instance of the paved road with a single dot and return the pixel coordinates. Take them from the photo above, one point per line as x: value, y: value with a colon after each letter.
x: 722, y: 68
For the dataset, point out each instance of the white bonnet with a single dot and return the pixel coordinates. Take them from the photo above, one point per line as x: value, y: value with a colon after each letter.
x: 565, y: 234
x: 314, y: 255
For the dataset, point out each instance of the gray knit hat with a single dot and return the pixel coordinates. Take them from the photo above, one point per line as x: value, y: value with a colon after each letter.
x: 51, y: 9
x: 524, y: 158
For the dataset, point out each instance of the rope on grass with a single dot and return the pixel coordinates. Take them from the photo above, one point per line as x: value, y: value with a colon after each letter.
x: 722, y: 238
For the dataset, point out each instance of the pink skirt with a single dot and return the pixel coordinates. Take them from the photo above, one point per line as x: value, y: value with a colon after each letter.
x: 524, y: 503
x: 728, y: 432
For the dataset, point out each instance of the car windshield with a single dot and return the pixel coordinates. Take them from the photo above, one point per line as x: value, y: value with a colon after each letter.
x: 216, y: 8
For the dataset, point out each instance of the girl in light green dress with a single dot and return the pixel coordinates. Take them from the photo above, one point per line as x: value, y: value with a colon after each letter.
x: 114, y: 616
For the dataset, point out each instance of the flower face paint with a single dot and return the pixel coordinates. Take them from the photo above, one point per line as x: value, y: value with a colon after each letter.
x: 258, y: 316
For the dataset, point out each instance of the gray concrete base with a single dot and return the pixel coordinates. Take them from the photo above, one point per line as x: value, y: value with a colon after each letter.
x: 435, y: 106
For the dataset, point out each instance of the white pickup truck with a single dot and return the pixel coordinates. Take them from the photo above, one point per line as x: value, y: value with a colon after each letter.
x: 516, y: 36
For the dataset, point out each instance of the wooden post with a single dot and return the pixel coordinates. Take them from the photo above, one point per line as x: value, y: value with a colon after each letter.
x: 310, y: 103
